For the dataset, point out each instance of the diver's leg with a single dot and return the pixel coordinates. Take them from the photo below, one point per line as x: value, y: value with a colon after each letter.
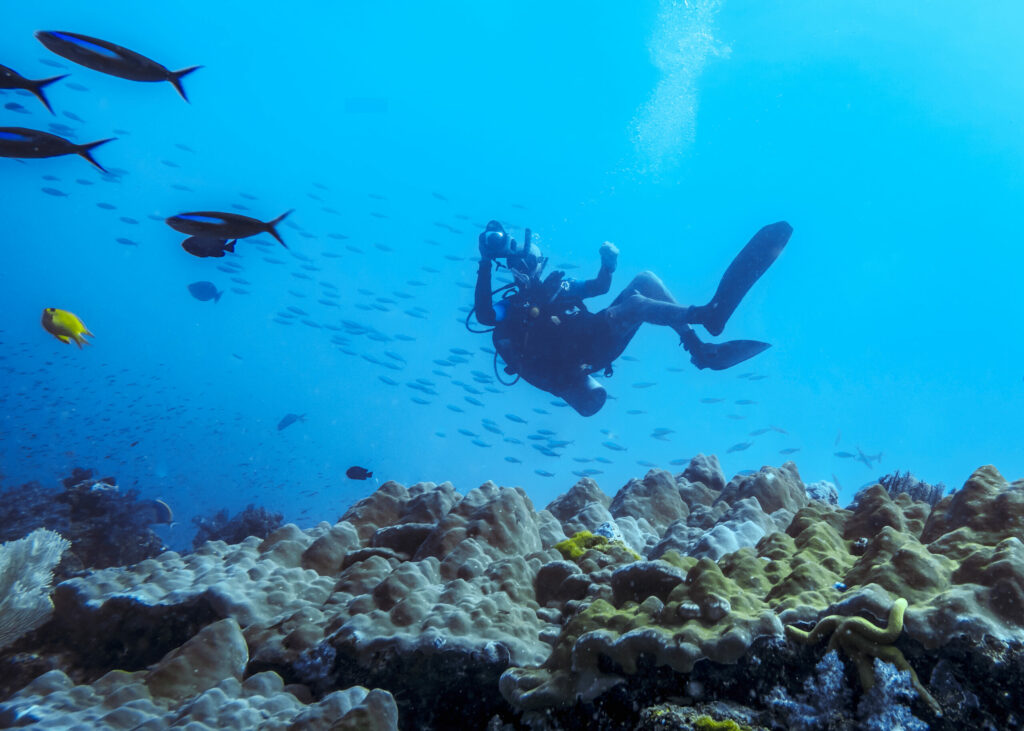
x: 647, y: 299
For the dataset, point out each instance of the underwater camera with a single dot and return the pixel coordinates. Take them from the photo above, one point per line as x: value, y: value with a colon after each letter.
x: 496, y: 243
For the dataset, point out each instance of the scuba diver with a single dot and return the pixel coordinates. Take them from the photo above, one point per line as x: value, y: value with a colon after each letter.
x: 546, y: 335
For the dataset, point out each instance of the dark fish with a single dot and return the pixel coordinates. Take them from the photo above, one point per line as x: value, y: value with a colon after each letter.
x: 844, y: 455
x: 109, y: 58
x: 20, y: 142
x: 739, y: 447
x: 288, y: 419
x: 11, y: 79
x: 867, y: 458
x: 358, y: 473
x: 15, y: 107
x: 203, y: 247
x: 205, y: 291
x: 218, y: 225
x: 126, y: 242
x: 55, y: 192
x: 152, y: 511
x: 789, y: 450
x: 711, y: 400
x: 744, y: 402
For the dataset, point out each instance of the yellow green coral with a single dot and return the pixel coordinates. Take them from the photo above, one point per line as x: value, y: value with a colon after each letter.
x: 572, y: 549
x: 706, y: 723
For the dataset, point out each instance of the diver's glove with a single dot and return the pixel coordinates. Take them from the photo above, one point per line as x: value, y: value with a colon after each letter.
x: 609, y: 255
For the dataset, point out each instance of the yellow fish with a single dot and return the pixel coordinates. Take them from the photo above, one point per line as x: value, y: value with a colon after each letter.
x: 65, y: 326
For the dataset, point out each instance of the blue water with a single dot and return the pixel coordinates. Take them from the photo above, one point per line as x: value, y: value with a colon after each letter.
x: 886, y: 133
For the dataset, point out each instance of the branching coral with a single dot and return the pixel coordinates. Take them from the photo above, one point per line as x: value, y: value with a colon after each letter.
x: 863, y: 641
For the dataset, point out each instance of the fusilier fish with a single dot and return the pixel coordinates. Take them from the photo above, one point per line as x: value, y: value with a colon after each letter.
x: 109, y: 58
x: 11, y: 79
x: 220, y: 225
x: 21, y: 142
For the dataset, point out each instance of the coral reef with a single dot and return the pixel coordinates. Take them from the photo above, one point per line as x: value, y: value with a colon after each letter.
x: 918, y: 490
x: 26, y: 571
x: 865, y: 644
x: 252, y: 521
x: 683, y: 607
x: 105, y: 525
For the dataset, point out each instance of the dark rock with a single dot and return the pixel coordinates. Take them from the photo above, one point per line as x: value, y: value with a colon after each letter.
x: 252, y: 521
x: 643, y: 579
x: 579, y: 496
x: 550, y: 583
x: 705, y: 469
x: 773, y: 487
x: 404, y: 538
x: 106, y: 526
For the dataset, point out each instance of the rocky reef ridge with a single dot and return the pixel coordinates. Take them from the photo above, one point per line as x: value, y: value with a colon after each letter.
x: 681, y: 600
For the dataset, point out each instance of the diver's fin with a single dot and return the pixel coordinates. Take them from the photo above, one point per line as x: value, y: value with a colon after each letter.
x: 746, y: 268
x: 86, y: 149
x: 718, y: 356
x: 272, y: 227
x: 175, y: 78
x: 230, y: 246
x: 38, y: 86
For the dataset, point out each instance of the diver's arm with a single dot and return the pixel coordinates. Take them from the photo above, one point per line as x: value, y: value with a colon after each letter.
x: 598, y: 285
x: 603, y: 281
x: 485, y: 314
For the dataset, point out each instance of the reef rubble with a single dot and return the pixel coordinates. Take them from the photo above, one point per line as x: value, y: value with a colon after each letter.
x: 683, y: 601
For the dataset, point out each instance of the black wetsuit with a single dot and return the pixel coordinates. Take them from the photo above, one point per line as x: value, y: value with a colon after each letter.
x: 544, y: 332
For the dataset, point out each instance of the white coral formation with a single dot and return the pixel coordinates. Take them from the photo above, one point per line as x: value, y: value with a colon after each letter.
x: 26, y: 574
x: 199, y: 686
